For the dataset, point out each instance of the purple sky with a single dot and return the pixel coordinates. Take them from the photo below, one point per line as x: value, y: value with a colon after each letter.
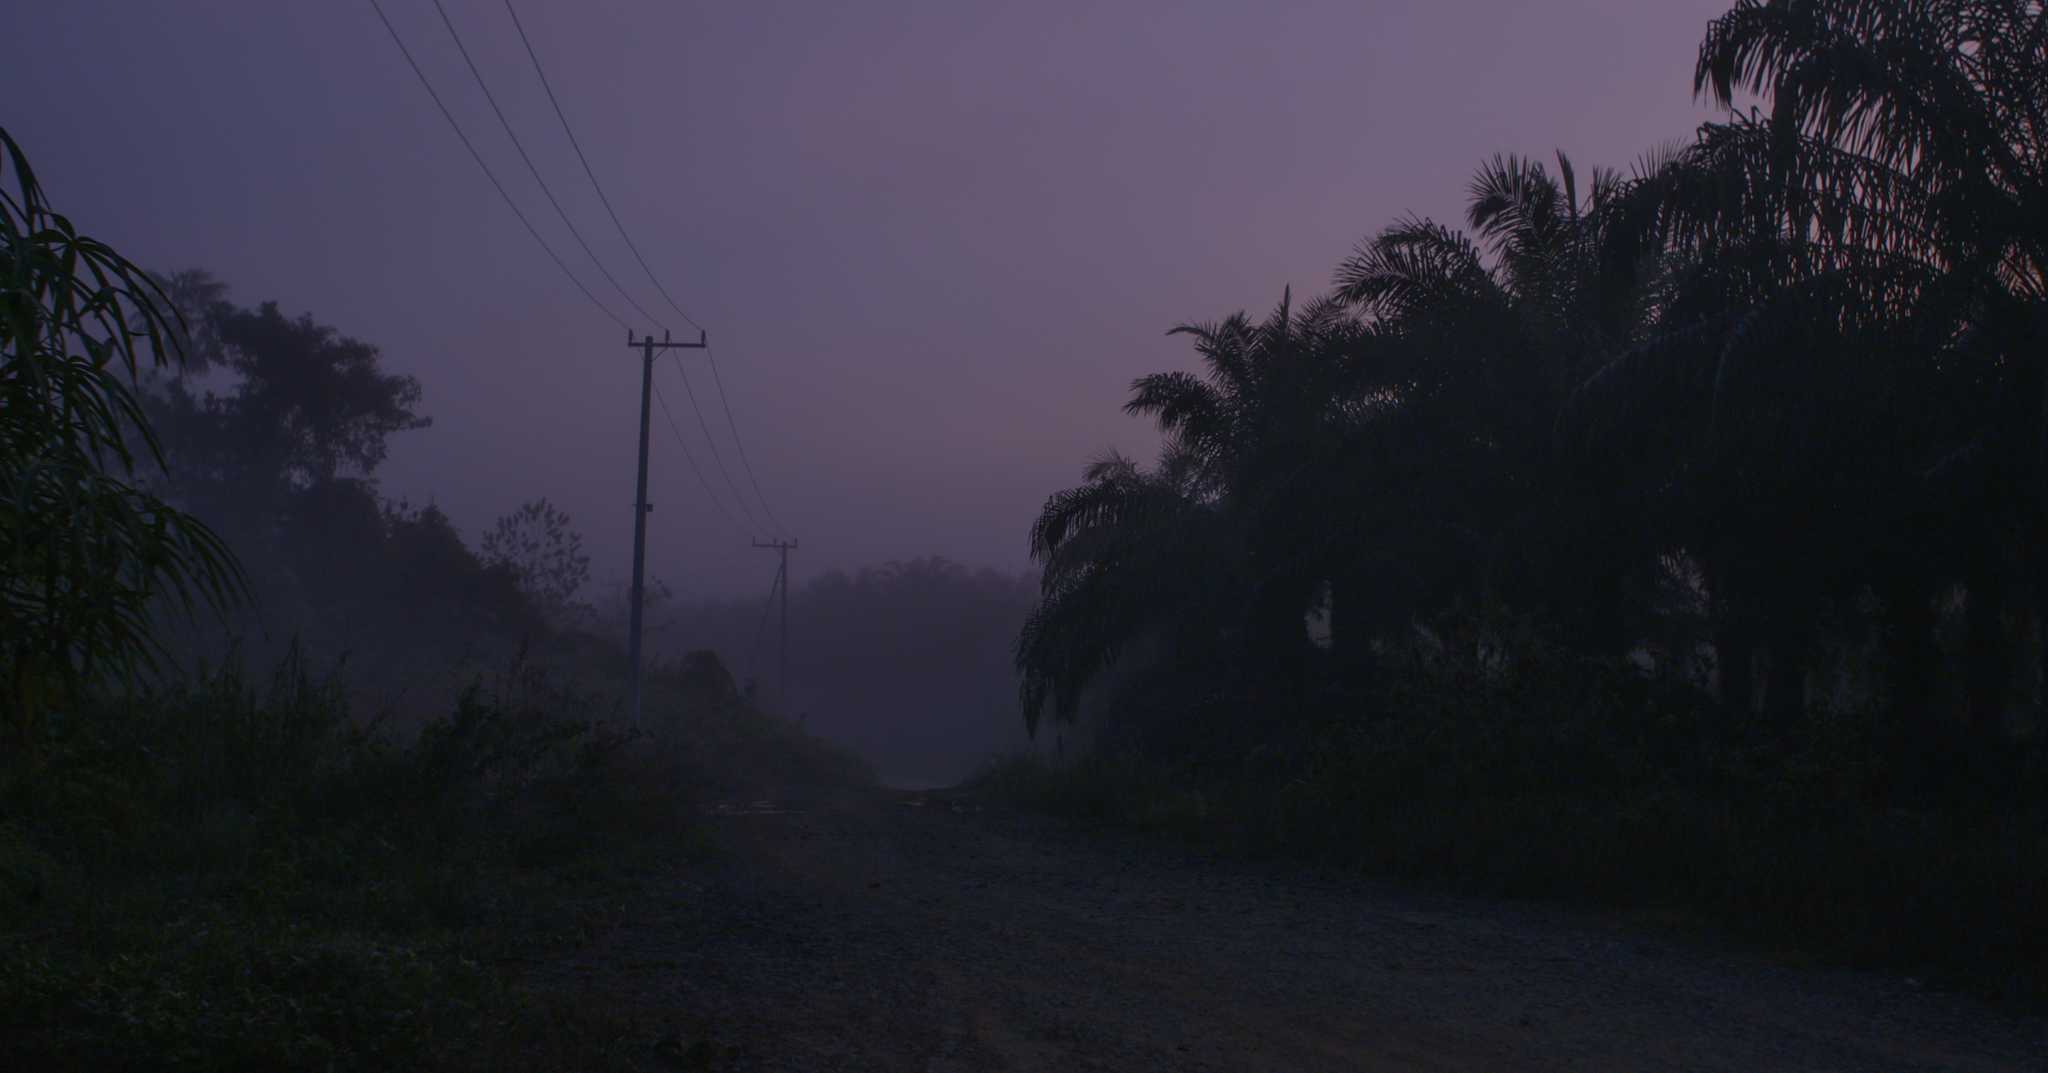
x: 933, y: 240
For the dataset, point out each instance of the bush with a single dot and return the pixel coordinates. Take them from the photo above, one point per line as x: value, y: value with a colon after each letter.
x: 217, y: 876
x: 86, y: 551
x: 1562, y: 777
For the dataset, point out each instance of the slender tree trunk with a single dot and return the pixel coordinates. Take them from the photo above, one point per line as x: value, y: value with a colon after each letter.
x: 1911, y: 661
x: 2036, y: 653
x: 1735, y: 627
x: 1279, y: 630
x: 1599, y: 617
x: 1351, y: 632
x: 1785, y: 683
x: 1989, y: 659
x: 1734, y: 655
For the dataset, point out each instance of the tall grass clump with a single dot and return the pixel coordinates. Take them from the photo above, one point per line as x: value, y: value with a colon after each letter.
x: 238, y: 874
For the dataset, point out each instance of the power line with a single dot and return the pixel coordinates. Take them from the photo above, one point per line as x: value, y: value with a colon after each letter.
x: 488, y: 173
x: 559, y: 211
x: 692, y: 460
x: 725, y: 401
x: 717, y: 458
x: 587, y: 170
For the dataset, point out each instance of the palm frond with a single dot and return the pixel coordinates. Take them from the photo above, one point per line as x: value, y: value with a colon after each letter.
x: 1411, y: 266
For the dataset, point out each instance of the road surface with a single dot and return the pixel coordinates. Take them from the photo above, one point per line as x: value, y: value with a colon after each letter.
x: 910, y: 933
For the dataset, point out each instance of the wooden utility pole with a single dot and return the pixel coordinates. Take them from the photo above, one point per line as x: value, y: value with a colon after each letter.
x: 647, y: 347
x: 782, y: 584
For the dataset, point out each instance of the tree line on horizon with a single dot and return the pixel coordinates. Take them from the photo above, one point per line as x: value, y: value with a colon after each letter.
x: 907, y: 662
x: 1766, y: 413
x: 275, y: 426
x: 158, y: 438
x: 165, y: 452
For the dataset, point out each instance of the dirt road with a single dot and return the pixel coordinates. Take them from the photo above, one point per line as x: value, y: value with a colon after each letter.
x: 898, y: 933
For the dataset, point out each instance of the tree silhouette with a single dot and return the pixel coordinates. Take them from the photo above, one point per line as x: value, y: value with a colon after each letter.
x: 85, y: 551
x: 1786, y: 379
x: 1909, y: 143
x: 1122, y: 555
x: 538, y: 544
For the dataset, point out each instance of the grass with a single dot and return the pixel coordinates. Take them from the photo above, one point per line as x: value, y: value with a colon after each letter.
x: 240, y: 876
x: 1588, y: 784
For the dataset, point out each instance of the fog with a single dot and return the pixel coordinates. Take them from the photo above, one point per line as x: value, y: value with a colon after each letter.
x: 908, y: 663
x: 631, y: 534
x: 931, y: 243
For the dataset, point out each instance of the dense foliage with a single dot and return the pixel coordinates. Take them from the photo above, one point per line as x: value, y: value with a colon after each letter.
x: 233, y: 874
x: 1766, y: 412
x: 1673, y: 537
x: 275, y: 428
x: 197, y: 872
x: 86, y: 552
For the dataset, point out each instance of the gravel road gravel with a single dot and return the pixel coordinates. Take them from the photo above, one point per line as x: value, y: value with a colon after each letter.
x: 905, y: 932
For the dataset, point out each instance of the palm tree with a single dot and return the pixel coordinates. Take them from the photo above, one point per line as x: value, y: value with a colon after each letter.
x: 1230, y: 536
x: 1912, y: 140
x: 1267, y: 428
x: 1125, y: 554
x: 1487, y: 333
x: 1853, y: 283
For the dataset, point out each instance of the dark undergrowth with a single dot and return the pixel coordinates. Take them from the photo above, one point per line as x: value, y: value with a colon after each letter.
x: 239, y: 876
x: 1836, y: 841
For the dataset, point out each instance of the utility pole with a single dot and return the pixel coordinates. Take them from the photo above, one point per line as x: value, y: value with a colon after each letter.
x: 647, y: 347
x: 782, y: 584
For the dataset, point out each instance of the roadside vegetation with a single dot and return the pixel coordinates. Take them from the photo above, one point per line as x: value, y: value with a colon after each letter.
x: 309, y: 783
x: 1670, y: 536
x: 1590, y: 784
x: 237, y: 875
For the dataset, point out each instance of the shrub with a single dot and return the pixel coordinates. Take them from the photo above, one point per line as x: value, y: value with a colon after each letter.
x: 85, y: 552
x: 1557, y: 776
x: 224, y: 876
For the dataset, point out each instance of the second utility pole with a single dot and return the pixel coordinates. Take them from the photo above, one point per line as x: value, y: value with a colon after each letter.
x: 782, y: 582
x: 647, y: 348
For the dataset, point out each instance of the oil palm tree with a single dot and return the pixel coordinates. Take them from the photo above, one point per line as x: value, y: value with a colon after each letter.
x: 1857, y: 279
x: 1488, y: 331
x: 1912, y: 136
x: 1229, y: 537
x: 1126, y: 553
x: 1265, y: 427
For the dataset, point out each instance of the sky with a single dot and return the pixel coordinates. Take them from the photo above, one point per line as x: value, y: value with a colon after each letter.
x: 932, y: 241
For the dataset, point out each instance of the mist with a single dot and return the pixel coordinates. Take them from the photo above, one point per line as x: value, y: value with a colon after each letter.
x: 1328, y: 534
x: 931, y: 243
